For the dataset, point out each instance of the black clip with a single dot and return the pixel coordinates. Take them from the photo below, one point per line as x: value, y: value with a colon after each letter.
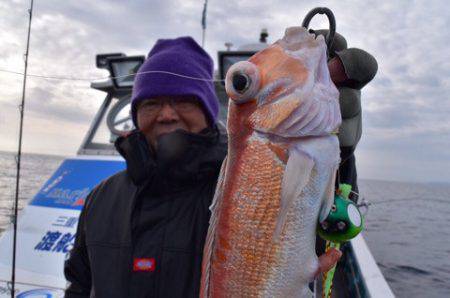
x: 323, y: 10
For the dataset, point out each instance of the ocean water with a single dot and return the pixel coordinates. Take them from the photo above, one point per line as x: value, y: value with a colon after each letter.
x: 406, y: 224
x: 408, y: 233
x: 35, y: 170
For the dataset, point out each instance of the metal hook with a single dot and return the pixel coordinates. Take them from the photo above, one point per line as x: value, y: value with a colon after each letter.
x: 323, y: 10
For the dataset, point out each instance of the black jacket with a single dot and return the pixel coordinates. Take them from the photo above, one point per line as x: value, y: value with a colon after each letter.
x: 157, y: 208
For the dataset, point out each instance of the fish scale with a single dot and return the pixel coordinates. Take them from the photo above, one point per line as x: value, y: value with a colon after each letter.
x: 278, y: 177
x: 251, y: 220
x: 301, y: 215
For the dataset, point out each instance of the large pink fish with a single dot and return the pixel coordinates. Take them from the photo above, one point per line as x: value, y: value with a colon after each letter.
x: 279, y: 174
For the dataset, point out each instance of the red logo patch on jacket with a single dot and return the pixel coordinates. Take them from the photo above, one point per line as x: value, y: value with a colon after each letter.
x: 144, y: 264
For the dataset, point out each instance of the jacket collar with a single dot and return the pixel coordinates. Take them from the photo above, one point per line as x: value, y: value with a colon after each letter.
x: 201, y: 155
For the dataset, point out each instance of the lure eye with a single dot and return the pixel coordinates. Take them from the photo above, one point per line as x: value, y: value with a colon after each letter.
x: 242, y: 82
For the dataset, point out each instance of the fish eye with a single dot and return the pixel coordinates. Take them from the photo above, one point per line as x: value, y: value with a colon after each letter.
x: 242, y: 82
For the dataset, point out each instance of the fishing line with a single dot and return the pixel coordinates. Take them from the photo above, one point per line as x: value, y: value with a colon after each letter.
x: 355, y: 193
x: 400, y: 200
x: 169, y: 73
x: 338, y: 173
x: 45, y: 77
x: 63, y: 78
x: 366, y: 204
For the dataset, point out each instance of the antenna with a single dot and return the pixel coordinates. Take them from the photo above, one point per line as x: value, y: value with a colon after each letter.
x: 205, y: 6
x: 19, y: 154
x: 263, y: 36
x: 228, y: 45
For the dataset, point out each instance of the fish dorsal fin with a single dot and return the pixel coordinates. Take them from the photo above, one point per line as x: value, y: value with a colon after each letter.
x: 296, y: 176
x: 209, y: 242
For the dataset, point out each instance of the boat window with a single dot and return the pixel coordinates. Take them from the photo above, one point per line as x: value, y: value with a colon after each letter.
x: 118, y: 118
x: 112, y: 120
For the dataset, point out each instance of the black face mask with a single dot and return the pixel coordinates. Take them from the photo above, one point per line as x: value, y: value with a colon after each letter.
x: 179, y: 153
x: 170, y: 148
x: 178, y: 156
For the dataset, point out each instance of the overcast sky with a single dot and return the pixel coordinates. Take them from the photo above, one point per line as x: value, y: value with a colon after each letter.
x: 406, y: 123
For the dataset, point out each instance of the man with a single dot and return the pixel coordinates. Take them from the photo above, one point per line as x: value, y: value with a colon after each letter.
x: 350, y: 69
x: 141, y: 232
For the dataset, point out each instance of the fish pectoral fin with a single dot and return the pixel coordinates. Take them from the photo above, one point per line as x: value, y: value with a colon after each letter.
x: 328, y: 198
x: 296, y: 175
x: 209, y: 242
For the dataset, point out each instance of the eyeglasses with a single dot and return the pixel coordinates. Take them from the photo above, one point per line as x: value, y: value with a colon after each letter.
x: 153, y: 106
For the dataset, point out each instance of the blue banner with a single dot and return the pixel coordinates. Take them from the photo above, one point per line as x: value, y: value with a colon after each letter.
x: 73, y: 181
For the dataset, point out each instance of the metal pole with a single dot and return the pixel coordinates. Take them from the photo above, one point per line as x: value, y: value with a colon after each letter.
x: 19, y: 154
x: 205, y: 6
x: 203, y: 38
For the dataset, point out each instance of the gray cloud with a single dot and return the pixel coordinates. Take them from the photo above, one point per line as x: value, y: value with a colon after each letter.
x: 394, y: 116
x: 405, y: 108
x: 45, y: 102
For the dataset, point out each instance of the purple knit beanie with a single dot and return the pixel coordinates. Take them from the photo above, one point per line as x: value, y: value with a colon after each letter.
x: 182, y: 56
